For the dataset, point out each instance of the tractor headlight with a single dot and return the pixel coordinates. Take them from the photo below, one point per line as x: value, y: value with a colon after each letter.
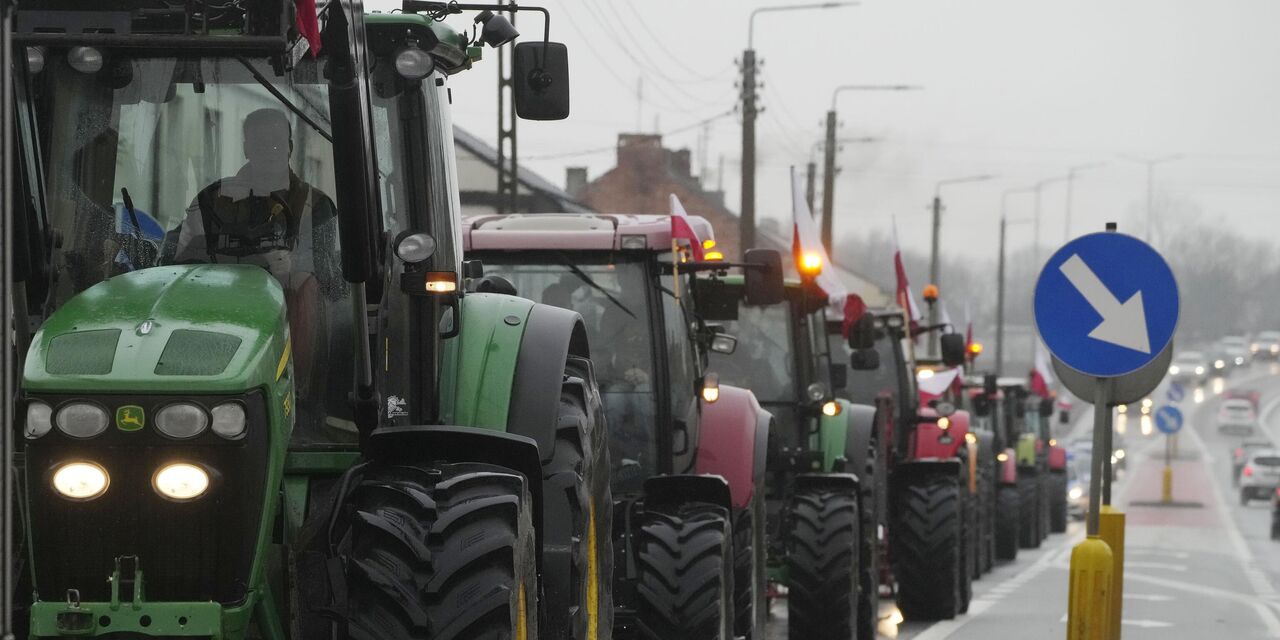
x: 182, y: 420
x: 228, y: 420
x: 413, y: 63
x: 415, y: 247
x: 1119, y: 454
x: 1075, y: 493
x: 39, y: 420
x: 181, y: 481
x: 944, y: 423
x: 85, y: 59
x: 82, y: 420
x: 80, y: 480
x: 830, y: 408
x: 816, y: 392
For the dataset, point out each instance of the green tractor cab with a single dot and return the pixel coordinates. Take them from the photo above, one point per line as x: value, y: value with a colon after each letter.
x: 263, y: 399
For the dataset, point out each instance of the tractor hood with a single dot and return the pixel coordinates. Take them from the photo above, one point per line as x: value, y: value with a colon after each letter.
x: 172, y: 329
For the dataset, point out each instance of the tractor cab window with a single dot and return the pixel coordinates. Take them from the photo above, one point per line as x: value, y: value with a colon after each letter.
x: 763, y: 361
x: 610, y: 295
x: 865, y: 386
x: 683, y: 357
x: 152, y: 161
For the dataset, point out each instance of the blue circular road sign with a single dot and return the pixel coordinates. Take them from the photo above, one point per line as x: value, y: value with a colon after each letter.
x: 1168, y: 419
x: 1106, y: 304
x: 1176, y: 392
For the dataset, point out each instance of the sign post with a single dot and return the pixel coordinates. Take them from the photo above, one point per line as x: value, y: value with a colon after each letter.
x: 1106, y: 306
x: 1169, y: 422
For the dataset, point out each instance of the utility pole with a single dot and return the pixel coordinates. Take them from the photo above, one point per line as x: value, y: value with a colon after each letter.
x: 1071, y: 178
x: 829, y: 179
x: 748, y: 220
x: 749, y: 112
x: 829, y: 157
x: 933, y: 255
x: 810, y: 170
x: 1151, y: 183
x: 1000, y: 300
x: 508, y: 166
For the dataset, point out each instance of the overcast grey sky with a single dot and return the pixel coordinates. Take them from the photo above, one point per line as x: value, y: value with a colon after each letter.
x: 1022, y: 89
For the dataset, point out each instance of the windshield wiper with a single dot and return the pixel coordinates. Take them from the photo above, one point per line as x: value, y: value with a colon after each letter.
x: 284, y: 100
x: 582, y: 275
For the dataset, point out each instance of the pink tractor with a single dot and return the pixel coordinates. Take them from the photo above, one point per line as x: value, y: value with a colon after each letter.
x: 687, y: 454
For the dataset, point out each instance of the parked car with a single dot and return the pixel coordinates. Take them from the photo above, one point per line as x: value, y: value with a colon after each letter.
x: 1252, y: 395
x: 1237, y: 417
x: 1077, y: 487
x: 1260, y: 476
x: 1189, y: 367
x: 1240, y: 455
x: 1266, y: 345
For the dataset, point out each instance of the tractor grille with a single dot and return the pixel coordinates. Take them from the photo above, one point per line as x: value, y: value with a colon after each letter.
x: 193, y: 551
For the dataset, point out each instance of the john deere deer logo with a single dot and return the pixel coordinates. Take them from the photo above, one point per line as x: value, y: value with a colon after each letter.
x: 130, y: 418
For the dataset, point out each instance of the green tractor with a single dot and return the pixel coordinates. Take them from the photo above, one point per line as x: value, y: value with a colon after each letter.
x: 264, y: 398
x: 824, y: 482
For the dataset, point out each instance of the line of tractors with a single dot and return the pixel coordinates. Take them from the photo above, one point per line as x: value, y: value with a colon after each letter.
x: 272, y: 384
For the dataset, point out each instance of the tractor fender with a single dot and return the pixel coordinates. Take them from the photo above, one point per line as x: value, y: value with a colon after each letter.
x: 1057, y: 458
x: 844, y: 481
x: 1009, y: 468
x: 847, y: 437
x: 1026, y: 449
x: 551, y: 335
x: 684, y: 488
x: 417, y: 443
x: 733, y: 440
x: 920, y: 469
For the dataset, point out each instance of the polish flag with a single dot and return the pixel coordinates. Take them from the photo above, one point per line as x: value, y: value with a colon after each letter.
x: 308, y: 24
x: 903, y: 296
x: 681, y: 229
x: 1042, y: 378
x: 805, y: 239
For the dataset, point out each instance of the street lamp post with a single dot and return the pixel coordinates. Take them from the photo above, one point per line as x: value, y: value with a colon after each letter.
x: 829, y: 158
x: 1035, y: 246
x: 1151, y: 181
x: 748, y: 221
x: 1071, y: 177
x: 933, y: 254
x: 1000, y: 270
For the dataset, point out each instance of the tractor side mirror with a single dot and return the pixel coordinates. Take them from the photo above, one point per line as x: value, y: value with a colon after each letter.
x: 862, y: 333
x: 722, y: 342
x: 1046, y: 407
x: 762, y: 277
x: 864, y: 360
x: 839, y: 377
x: 541, y: 76
x: 982, y: 405
x: 953, y: 351
x: 990, y: 385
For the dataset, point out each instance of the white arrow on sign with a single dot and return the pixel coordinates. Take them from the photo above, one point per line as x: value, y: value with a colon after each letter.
x: 1122, y: 324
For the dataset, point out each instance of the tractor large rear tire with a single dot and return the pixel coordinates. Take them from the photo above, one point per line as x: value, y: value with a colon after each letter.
x: 750, y: 579
x: 1046, y: 519
x: 442, y: 551
x: 823, y: 549
x: 1058, y: 502
x: 869, y: 558
x: 1029, y: 510
x: 579, y: 467
x: 927, y: 548
x: 684, y: 562
x: 988, y: 521
x: 1008, y: 519
x: 967, y: 563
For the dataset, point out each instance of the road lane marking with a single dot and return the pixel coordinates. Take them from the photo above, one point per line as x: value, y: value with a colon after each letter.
x: 1142, y: 551
x: 1155, y: 565
x: 1146, y: 624
x: 1147, y: 597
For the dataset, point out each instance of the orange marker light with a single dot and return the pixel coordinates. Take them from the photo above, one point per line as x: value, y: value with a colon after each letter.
x: 810, y: 263
x: 442, y: 282
x: 975, y: 349
x: 713, y: 256
x: 931, y: 292
x: 708, y: 244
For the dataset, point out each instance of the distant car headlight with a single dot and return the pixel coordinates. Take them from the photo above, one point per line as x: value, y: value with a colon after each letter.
x: 1122, y: 409
x: 228, y: 420
x: 1275, y: 348
x: 1146, y: 402
x: 1199, y: 371
x: 1239, y: 360
x: 39, y: 420
x: 1218, y: 364
x: 1075, y: 493
x: 1119, y: 454
x: 181, y: 481
x: 82, y: 420
x: 182, y: 420
x: 1174, y: 369
x: 81, y: 481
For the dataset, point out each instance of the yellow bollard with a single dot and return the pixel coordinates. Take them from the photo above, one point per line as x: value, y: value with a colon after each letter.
x: 1089, y: 591
x: 1111, y: 530
x: 1166, y: 485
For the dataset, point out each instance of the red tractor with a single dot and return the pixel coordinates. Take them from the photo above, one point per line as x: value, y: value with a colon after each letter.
x: 688, y: 453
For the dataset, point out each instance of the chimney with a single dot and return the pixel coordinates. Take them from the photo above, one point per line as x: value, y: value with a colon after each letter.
x: 639, y: 151
x: 681, y: 163
x: 575, y: 180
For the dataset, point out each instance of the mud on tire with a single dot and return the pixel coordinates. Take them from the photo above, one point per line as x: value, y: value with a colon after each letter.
x: 443, y: 551
x: 823, y: 553
x: 684, y: 562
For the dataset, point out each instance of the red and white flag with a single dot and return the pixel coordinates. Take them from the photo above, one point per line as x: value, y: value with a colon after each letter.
x: 903, y: 295
x: 968, y: 326
x: 308, y: 24
x: 805, y: 239
x: 1042, y: 378
x: 682, y: 230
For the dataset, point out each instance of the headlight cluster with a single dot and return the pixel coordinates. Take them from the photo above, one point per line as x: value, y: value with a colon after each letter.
x: 180, y: 420
x: 82, y: 480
